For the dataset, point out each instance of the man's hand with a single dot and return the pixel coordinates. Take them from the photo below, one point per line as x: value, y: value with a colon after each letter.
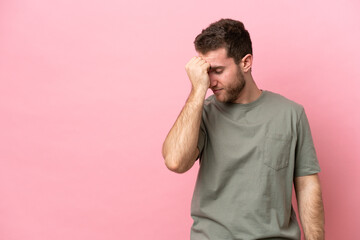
x: 197, y: 71
x: 180, y: 146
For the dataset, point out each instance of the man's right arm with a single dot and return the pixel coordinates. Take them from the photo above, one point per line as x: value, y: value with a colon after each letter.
x: 180, y: 146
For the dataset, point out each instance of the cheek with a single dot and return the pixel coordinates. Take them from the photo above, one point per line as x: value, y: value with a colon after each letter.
x: 226, y: 79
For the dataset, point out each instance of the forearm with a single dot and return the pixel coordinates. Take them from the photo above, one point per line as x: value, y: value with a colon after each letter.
x: 180, y: 146
x: 311, y: 210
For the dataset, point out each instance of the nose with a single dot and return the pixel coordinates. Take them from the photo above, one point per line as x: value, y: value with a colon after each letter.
x: 213, y: 80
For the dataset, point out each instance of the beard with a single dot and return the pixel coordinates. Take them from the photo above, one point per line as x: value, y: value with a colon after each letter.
x: 234, y: 90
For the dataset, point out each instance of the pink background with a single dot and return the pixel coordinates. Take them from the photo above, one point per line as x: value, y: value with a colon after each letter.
x: 89, y: 90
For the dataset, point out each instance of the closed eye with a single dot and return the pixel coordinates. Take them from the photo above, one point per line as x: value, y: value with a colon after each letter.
x: 217, y: 69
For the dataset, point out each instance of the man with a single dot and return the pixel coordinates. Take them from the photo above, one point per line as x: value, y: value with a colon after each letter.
x: 252, y: 144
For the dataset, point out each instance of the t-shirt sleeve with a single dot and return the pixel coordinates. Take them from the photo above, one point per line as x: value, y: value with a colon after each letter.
x: 306, y: 162
x: 202, y: 138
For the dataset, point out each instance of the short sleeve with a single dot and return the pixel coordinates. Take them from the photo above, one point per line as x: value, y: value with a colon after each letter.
x: 202, y: 138
x: 306, y: 162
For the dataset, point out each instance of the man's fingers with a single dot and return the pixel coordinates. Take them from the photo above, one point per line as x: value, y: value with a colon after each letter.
x: 206, y: 64
x: 199, y: 62
x: 192, y: 60
x: 203, y: 62
x: 198, y: 59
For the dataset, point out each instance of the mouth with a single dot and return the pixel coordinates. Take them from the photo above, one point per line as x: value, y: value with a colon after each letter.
x: 215, y: 91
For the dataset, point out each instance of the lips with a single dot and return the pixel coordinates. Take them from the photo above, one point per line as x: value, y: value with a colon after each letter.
x: 215, y: 91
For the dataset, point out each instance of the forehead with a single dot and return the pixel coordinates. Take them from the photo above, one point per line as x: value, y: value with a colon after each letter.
x: 217, y: 57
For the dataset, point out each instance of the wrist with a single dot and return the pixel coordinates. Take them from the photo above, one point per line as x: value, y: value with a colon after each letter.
x: 197, y: 95
x: 199, y: 89
x: 198, y: 92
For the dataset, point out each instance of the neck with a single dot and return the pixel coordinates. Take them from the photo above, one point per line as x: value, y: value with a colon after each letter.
x: 250, y: 91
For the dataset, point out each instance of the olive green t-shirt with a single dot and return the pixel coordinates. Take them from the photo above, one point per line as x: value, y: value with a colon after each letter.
x: 249, y: 157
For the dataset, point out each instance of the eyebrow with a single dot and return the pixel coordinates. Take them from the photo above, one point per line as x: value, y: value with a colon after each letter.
x: 214, y: 68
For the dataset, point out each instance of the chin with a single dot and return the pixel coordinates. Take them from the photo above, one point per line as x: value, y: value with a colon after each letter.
x: 220, y: 99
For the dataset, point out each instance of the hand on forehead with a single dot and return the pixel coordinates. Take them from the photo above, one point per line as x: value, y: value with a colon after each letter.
x: 217, y: 58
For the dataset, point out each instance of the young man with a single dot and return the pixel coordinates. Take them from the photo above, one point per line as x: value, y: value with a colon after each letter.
x: 252, y: 144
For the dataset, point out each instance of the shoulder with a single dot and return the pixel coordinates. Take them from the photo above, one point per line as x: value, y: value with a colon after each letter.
x: 279, y: 102
x: 210, y: 103
x: 209, y: 100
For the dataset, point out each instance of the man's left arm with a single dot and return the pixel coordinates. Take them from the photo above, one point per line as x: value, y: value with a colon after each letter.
x: 310, y: 206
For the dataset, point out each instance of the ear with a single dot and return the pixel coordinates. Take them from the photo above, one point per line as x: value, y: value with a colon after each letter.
x: 246, y: 63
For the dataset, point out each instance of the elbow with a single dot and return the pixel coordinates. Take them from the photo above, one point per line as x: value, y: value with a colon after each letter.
x: 175, y: 162
x: 169, y: 160
x: 173, y: 165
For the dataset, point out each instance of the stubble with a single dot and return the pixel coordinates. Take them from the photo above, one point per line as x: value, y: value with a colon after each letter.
x: 234, y: 91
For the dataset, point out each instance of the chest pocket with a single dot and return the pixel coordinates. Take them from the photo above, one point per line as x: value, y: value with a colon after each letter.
x: 277, y: 151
